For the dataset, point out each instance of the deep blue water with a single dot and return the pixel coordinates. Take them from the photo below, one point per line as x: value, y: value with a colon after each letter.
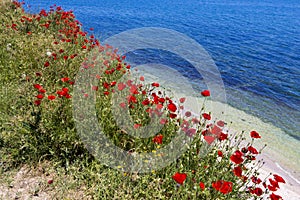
x: 255, y: 44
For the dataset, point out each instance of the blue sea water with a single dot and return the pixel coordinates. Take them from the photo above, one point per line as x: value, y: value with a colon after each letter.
x: 254, y: 43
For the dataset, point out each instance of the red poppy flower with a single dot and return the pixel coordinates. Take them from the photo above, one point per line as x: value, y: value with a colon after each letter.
x: 237, y: 157
x: 206, y: 116
x: 252, y: 150
x: 95, y: 88
x: 188, y: 113
x: 279, y: 178
x: 272, y: 188
x: 190, y: 132
x: 163, y: 121
x: 123, y: 105
x: 205, y: 93
x: 172, y: 115
x: 40, y: 96
x: 209, y: 139
x: 136, y: 126
x: 220, y: 123
x: 50, y: 181
x: 37, y: 86
x: 220, y: 153
x: 202, y: 185
x: 237, y: 171
x: 42, y: 90
x: 257, y: 191
x: 146, y: 102
x: 254, y: 134
x: 158, y: 139
x: 46, y: 64
x: 65, y: 79
x: 224, y: 187
x: 182, y: 100
x: 275, y: 197
x: 155, y: 84
x: 223, y: 136
x: 255, y: 180
x: 113, y: 83
x: 172, y: 107
x: 179, y: 177
x: 142, y: 78
x: 106, y: 93
x: 37, y: 102
x: 131, y: 99
x: 274, y: 183
x: 121, y: 86
x: 51, y: 97
x: 83, y: 47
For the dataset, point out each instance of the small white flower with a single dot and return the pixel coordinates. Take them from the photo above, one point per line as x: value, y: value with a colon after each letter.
x: 49, y: 53
x: 8, y: 47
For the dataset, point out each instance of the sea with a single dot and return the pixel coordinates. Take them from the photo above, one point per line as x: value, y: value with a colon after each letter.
x: 255, y: 45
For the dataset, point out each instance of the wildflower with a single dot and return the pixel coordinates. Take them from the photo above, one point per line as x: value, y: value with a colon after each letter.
x: 223, y: 136
x: 279, y: 178
x: 237, y: 157
x: 163, y: 121
x: 275, y: 197
x: 172, y: 107
x: 255, y: 180
x: 220, y: 153
x: 65, y: 79
x: 237, y: 171
x: 222, y: 186
x: 121, y: 86
x: 172, y: 115
x: 142, y: 78
x: 50, y: 181
x: 51, y: 97
x: 179, y: 177
x: 158, y: 139
x: 252, y: 150
x: 40, y: 96
x: 254, y: 134
x: 37, y: 102
x: 182, y: 100
x: 46, y: 64
x: 188, y: 114
x: 202, y: 185
x: 274, y: 183
x: 136, y: 126
x: 41, y: 90
x: 257, y: 191
x: 155, y: 84
x: 37, y: 86
x: 48, y: 53
x: 220, y: 123
x: 206, y: 116
x: 122, y: 105
x: 205, y: 93
x: 95, y: 88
